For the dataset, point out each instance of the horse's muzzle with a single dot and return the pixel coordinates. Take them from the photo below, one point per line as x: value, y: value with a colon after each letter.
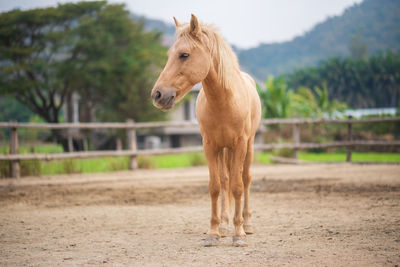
x: 163, y: 99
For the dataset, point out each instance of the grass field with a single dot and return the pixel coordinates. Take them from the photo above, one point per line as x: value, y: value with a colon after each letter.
x: 161, y: 161
x: 34, y: 148
x: 337, y: 157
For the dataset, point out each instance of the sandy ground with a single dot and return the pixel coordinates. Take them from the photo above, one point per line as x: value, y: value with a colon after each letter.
x: 309, y: 215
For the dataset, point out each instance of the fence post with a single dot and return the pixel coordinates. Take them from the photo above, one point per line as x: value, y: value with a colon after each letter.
x: 131, y: 135
x: 119, y: 144
x: 349, y: 138
x: 296, y: 139
x: 14, y: 164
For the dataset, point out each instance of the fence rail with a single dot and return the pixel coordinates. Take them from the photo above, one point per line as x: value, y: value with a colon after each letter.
x: 139, y: 125
x: 96, y: 125
x: 133, y: 152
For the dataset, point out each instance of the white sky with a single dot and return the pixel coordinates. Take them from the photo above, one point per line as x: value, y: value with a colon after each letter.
x: 243, y: 23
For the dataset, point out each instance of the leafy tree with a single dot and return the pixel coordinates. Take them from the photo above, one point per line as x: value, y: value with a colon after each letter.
x: 34, y: 44
x: 275, y: 98
x: 307, y: 103
x: 373, y: 82
x: 304, y: 104
x: 279, y: 101
x: 324, y: 104
x: 116, y: 66
x: 11, y: 109
x: 91, y: 48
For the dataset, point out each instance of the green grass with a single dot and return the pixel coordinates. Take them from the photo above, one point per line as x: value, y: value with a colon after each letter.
x: 121, y: 163
x: 356, y: 157
x: 176, y: 160
x: 193, y: 159
x: 27, y: 149
x: 84, y: 165
x: 337, y: 157
x: 106, y: 164
x: 262, y: 157
x: 184, y: 160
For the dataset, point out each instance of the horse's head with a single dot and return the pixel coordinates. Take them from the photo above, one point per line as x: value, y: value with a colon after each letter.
x: 188, y: 63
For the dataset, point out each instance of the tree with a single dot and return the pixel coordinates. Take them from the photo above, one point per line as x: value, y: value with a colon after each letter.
x: 324, y: 104
x: 11, y: 109
x: 91, y: 48
x: 303, y: 104
x: 34, y: 45
x: 116, y: 66
x: 373, y: 82
x: 307, y: 103
x: 275, y: 98
x: 278, y: 101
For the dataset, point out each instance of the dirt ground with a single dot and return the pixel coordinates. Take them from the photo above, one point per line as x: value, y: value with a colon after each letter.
x: 308, y: 215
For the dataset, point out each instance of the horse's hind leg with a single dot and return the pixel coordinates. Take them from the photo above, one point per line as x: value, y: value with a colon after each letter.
x: 225, y: 196
x: 248, y: 228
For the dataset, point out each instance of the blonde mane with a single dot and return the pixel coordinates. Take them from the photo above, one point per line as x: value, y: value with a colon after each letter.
x: 220, y: 50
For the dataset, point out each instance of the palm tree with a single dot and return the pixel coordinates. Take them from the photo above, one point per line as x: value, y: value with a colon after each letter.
x: 275, y: 98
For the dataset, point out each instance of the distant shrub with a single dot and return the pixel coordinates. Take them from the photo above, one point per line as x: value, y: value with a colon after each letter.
x: 284, y: 152
x: 70, y: 167
x: 118, y: 165
x: 27, y: 168
x: 146, y: 163
x: 30, y: 168
x: 197, y: 160
x: 4, y: 169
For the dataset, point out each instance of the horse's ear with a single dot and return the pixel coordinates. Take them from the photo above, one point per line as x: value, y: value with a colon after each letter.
x: 194, y: 25
x: 177, y: 23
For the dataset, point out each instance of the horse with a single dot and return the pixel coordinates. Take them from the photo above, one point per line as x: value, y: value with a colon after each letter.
x: 228, y: 110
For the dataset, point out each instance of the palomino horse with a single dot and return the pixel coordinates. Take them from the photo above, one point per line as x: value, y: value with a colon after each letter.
x: 228, y: 110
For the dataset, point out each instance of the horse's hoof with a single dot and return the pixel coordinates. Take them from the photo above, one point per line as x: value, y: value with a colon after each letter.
x: 240, y: 241
x: 223, y: 231
x: 211, y: 241
x: 248, y: 229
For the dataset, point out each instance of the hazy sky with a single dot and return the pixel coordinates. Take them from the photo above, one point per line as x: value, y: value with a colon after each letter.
x: 244, y: 23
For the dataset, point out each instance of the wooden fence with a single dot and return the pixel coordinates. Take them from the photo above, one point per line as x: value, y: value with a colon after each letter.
x: 133, y: 152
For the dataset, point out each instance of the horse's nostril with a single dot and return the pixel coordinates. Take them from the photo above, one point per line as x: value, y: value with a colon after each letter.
x: 171, y: 100
x: 157, y: 96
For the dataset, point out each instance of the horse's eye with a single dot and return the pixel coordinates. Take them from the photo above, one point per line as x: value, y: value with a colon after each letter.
x: 184, y: 55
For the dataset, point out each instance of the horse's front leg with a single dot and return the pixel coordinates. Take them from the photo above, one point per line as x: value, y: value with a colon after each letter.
x: 237, y: 160
x: 214, y: 187
x: 225, y: 195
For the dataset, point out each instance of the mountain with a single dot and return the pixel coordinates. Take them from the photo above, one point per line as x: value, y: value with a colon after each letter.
x: 154, y: 24
x: 168, y: 30
x: 372, y: 24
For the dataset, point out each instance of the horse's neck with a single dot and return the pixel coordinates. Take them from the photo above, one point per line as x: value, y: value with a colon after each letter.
x: 215, y: 93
